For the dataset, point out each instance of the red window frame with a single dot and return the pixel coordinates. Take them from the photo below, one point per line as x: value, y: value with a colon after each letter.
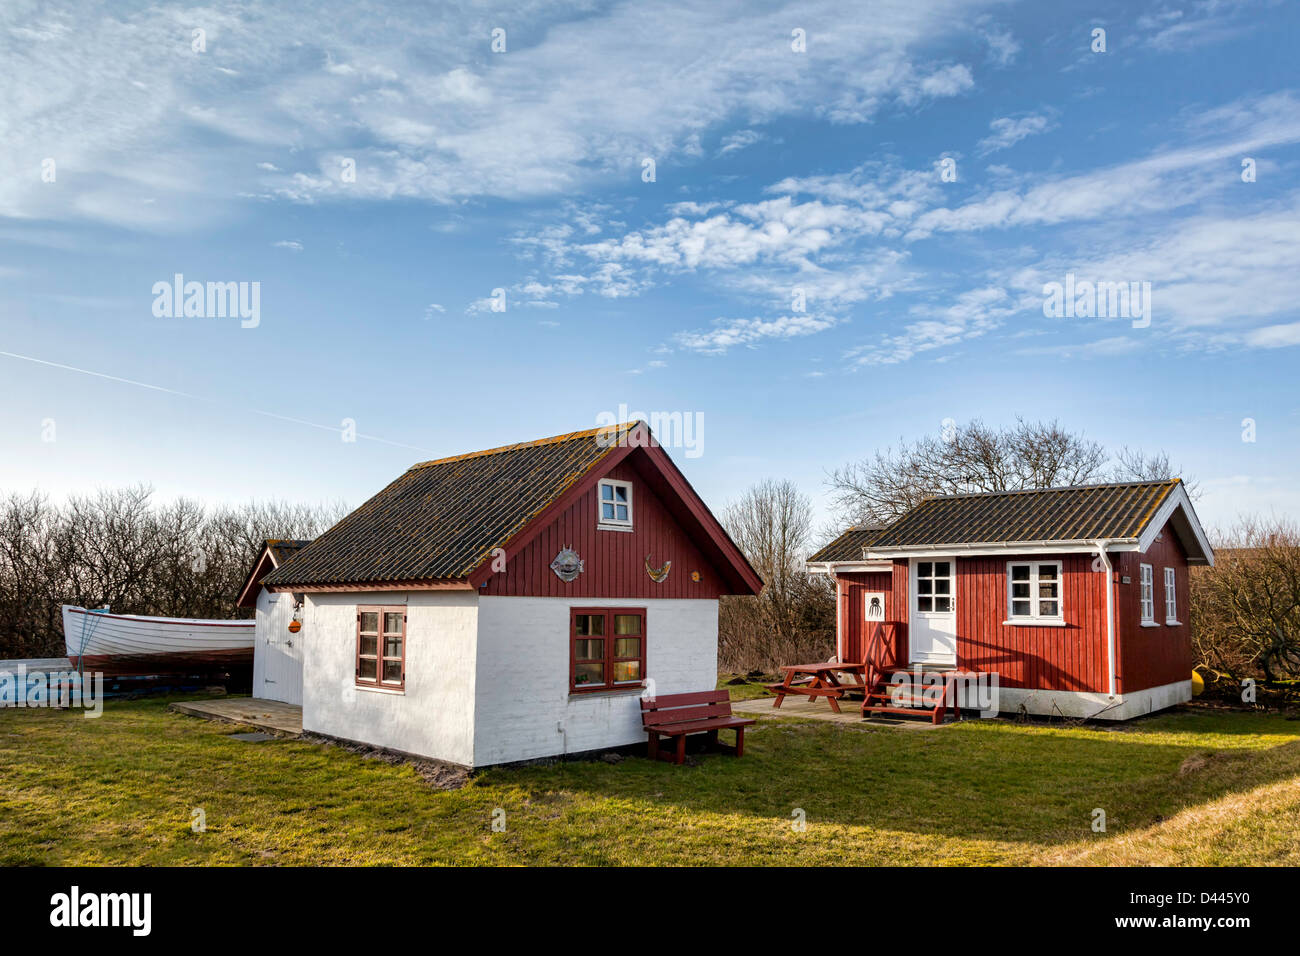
x: 608, y: 658
x: 380, y: 657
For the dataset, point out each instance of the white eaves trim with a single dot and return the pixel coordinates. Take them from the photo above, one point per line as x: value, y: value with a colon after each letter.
x: 986, y: 548
x: 847, y: 567
x: 1178, y: 499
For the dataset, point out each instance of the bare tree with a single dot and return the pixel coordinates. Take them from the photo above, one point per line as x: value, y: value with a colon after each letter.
x: 1246, y: 609
x: 121, y: 548
x: 794, y: 617
x: 965, y: 458
x: 1132, y: 464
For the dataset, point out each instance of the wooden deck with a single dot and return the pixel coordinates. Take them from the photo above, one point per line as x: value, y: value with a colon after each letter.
x: 269, y: 715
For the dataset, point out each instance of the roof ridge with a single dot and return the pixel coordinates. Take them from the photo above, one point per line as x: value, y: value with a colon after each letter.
x: 1038, y: 491
x: 554, y: 439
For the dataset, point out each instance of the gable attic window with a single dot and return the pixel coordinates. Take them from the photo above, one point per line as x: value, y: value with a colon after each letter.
x: 614, y: 505
x: 1034, y: 592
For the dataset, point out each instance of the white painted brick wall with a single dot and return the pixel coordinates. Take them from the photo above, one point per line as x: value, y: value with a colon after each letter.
x: 523, y: 675
x: 434, y: 716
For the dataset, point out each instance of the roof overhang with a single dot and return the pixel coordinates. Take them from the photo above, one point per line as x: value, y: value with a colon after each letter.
x: 460, y: 584
x: 263, y: 565
x: 848, y: 567
x: 993, y: 548
x: 1177, y: 511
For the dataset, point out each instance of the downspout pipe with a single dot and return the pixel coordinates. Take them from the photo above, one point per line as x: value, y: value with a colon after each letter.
x: 1110, y: 615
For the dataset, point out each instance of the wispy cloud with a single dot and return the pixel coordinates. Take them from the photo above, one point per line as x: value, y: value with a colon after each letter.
x: 726, y: 334
x: 1009, y: 130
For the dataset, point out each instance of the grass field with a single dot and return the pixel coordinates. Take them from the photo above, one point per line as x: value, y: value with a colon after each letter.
x: 1188, y: 787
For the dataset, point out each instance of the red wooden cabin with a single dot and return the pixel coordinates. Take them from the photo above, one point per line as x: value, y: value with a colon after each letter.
x: 1077, y: 598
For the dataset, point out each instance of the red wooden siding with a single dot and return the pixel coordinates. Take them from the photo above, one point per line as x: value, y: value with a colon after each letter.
x: 1152, y: 656
x: 852, y: 588
x: 1071, y: 658
x: 614, y: 561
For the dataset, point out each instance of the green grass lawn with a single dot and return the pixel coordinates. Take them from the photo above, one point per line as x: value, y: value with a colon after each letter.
x: 1185, y: 787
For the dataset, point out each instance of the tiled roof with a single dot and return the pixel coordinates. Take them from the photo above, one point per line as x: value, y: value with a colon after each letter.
x: 848, y: 546
x: 284, y: 549
x: 441, y: 519
x: 1080, y: 513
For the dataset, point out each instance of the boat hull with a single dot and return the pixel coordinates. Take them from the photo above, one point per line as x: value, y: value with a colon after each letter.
x: 120, y: 645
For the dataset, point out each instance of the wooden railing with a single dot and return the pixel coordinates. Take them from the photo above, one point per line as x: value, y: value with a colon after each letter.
x: 882, y: 652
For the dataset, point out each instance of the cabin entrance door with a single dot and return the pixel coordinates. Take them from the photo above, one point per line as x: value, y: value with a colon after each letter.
x: 282, y: 672
x: 932, y: 629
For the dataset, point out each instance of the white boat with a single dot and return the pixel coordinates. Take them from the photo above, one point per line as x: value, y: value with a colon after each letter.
x: 130, y: 644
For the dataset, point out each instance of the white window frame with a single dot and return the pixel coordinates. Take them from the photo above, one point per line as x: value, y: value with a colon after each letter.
x: 1171, y: 598
x: 934, y: 577
x: 1147, y: 595
x: 1057, y: 620
x: 613, y: 524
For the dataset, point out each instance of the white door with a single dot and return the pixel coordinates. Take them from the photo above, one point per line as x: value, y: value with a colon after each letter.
x: 932, y: 631
x: 281, y: 672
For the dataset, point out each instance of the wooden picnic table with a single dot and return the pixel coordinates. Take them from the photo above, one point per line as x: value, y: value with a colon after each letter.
x: 820, y: 680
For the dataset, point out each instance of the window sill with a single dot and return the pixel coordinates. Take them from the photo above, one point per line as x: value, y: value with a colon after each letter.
x: 380, y: 689
x: 624, y: 691
x: 1030, y: 622
x: 613, y: 527
x: 1173, y: 623
x: 1150, y: 624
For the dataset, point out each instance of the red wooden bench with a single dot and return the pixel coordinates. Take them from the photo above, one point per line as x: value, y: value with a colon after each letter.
x: 679, y: 715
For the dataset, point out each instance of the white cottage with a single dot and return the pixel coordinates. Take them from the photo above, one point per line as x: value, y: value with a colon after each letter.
x: 277, y: 651
x: 508, y: 604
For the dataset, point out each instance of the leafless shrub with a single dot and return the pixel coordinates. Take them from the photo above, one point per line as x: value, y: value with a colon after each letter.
x: 1245, y: 612
x: 119, y: 547
x: 794, y: 619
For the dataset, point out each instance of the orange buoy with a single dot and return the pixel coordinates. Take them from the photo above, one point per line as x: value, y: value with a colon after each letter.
x: 295, y: 627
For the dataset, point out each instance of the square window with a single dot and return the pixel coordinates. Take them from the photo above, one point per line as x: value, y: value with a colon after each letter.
x: 608, y: 648
x: 1034, y: 591
x: 925, y: 569
x: 614, y: 503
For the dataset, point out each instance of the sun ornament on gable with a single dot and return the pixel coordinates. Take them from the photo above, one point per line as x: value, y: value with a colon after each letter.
x: 567, y: 565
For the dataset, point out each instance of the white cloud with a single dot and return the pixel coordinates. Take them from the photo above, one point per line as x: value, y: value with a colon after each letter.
x: 971, y: 314
x: 737, y: 141
x: 426, y: 112
x: 1009, y: 130
x: 293, y: 245
x: 728, y: 333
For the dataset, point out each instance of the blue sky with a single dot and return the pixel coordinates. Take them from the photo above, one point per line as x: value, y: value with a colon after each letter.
x: 220, y: 156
